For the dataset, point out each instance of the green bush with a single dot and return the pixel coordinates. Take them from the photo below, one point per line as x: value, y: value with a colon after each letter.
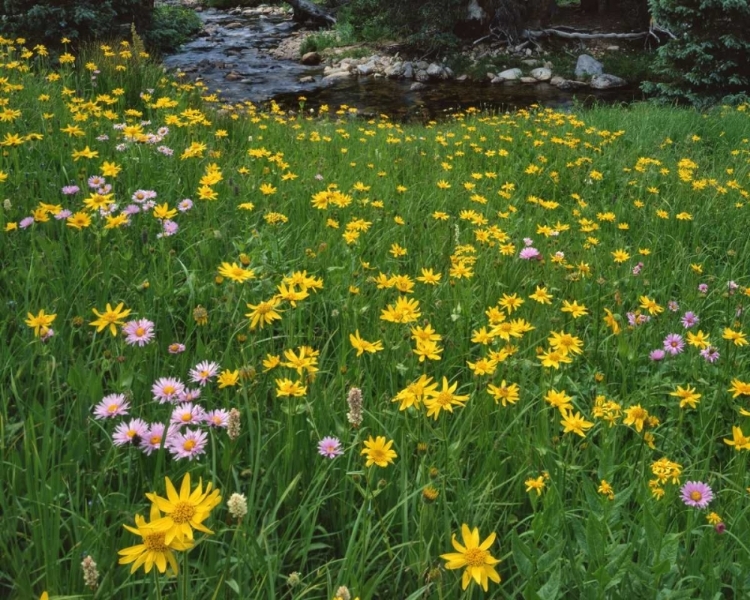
x: 170, y: 27
x: 709, y: 61
x: 48, y: 21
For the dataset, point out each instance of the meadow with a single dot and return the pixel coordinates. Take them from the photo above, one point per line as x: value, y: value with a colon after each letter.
x: 253, y: 354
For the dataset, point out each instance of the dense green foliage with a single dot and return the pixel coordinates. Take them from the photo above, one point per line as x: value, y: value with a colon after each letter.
x: 710, y: 59
x: 47, y: 22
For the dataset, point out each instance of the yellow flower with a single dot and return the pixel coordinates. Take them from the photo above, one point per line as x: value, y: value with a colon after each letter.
x: 739, y: 440
x: 263, y: 313
x: 415, y: 393
x: 651, y: 306
x: 606, y: 489
x: 85, y: 153
x: 153, y: 549
x: 739, y: 388
x: 575, y: 423
x: 505, y: 392
x: 228, y: 378
x: 475, y: 556
x: 541, y: 295
x: 267, y: 189
x: 737, y: 337
x: 286, y: 387
x: 378, y: 452
x: 636, y: 415
x: 443, y: 399
x: 184, y: 511
x: 39, y: 323
x: 362, y: 345
x: 536, y: 484
x: 620, y: 256
x: 110, y: 318
x: 576, y: 310
x: 687, y: 396
x: 235, y: 272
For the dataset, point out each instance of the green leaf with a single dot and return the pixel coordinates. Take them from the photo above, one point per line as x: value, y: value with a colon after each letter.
x: 551, y: 589
x: 522, y: 556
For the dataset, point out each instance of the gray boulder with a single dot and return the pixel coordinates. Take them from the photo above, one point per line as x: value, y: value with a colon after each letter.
x: 408, y: 71
x: 606, y: 81
x: 417, y: 86
x: 422, y: 76
x: 366, y: 69
x: 588, y: 66
x: 541, y: 74
x: 510, y: 74
x: 434, y: 71
x: 395, y: 71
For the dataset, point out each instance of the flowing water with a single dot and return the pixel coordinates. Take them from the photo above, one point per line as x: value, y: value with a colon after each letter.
x: 254, y: 75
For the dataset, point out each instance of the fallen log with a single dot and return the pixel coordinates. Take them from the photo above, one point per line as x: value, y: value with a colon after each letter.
x: 583, y: 36
x: 305, y: 10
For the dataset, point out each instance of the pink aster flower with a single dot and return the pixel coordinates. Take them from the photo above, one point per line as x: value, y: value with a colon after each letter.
x: 530, y: 253
x: 169, y: 228
x: 96, y: 181
x: 689, y: 319
x: 710, y: 353
x: 167, y: 389
x: 188, y: 445
x: 163, y: 131
x: 176, y: 348
x: 140, y: 332
x: 656, y: 355
x: 187, y: 414
x: 131, y: 209
x: 110, y: 406
x: 69, y: 190
x: 217, y: 418
x: 63, y: 214
x: 165, y: 150
x: 190, y: 394
x: 203, y: 372
x: 673, y: 306
x: 152, y: 440
x: 185, y: 205
x: 696, y: 494
x: 674, y: 344
x: 330, y: 447
x: 129, y: 433
x: 26, y: 222
x: 703, y: 288
x: 47, y: 334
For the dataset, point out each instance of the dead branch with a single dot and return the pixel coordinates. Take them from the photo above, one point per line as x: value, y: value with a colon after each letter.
x: 540, y: 33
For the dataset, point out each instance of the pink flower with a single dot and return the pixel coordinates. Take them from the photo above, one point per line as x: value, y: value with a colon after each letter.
x: 188, y: 394
x: 129, y: 433
x: 188, y: 445
x: 185, y: 205
x: 696, y: 494
x: 203, y: 372
x: 674, y: 344
x: 330, y: 447
x: 110, y: 406
x: 187, y: 414
x: 530, y: 253
x: 96, y: 181
x: 167, y: 389
x: 176, y: 348
x: 217, y: 418
x: 152, y: 440
x: 140, y: 332
x: 69, y: 190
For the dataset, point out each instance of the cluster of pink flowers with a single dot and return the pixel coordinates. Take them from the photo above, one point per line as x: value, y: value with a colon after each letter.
x: 183, y: 435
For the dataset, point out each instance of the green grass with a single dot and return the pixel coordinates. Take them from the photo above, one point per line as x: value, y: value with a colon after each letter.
x: 582, y: 184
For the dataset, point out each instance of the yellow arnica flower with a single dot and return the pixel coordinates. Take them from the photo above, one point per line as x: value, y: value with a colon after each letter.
x: 39, y: 323
x: 378, y: 451
x: 479, y: 563
x: 235, y: 272
x: 263, y: 313
x: 153, y: 550
x: 110, y: 318
x: 184, y: 511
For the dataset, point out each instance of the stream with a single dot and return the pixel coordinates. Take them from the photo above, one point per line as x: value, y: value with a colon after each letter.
x: 232, y: 57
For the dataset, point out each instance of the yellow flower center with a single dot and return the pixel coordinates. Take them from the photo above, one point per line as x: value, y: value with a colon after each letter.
x: 187, y: 417
x: 475, y: 557
x: 168, y: 390
x: 444, y: 398
x: 155, y: 542
x: 377, y: 455
x: 140, y: 331
x: 696, y: 495
x: 188, y: 445
x: 132, y: 433
x: 155, y: 439
x: 112, y: 408
x: 183, y: 512
x: 263, y: 308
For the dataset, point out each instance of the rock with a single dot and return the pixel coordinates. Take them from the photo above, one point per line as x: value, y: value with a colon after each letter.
x: 235, y: 11
x: 434, y: 71
x: 606, y: 81
x: 408, y: 71
x: 541, y: 74
x: 422, y: 76
x: 569, y: 84
x: 462, y: 78
x: 548, y: 65
x: 529, y: 51
x: 588, y: 66
x: 233, y: 76
x: 366, y: 69
x: 335, y: 76
x: 530, y: 62
x: 529, y: 80
x: 557, y: 80
x: 448, y: 73
x: 613, y: 48
x: 234, y: 25
x: 497, y: 79
x: 510, y: 74
x: 311, y: 58
x: 490, y: 77
x: 417, y: 86
x: 307, y: 79
x: 422, y: 65
x: 395, y: 71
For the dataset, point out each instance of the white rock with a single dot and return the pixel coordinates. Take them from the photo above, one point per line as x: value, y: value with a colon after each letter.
x: 606, y: 81
x: 541, y: 74
x: 510, y: 74
x: 587, y: 65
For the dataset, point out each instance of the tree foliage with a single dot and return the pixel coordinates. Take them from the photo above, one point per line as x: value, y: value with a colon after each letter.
x: 709, y: 61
